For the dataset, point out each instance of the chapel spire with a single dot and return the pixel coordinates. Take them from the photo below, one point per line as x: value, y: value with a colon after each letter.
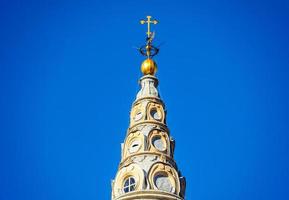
x: 147, y: 169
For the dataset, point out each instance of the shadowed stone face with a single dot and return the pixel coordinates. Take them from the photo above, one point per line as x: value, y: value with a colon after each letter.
x: 158, y: 143
x: 163, y: 183
x: 155, y: 114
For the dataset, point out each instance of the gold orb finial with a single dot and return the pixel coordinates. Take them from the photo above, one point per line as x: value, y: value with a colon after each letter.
x: 149, y: 67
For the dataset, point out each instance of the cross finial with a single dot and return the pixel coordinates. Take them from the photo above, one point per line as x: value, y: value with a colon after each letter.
x: 149, y: 21
x: 149, y: 50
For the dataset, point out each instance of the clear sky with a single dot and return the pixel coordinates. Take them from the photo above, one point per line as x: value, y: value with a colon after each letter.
x: 68, y: 77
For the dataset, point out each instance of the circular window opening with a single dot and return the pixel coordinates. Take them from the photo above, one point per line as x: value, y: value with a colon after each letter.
x: 138, y: 116
x: 163, y: 182
x: 155, y: 114
x: 134, y: 146
x: 159, y: 143
x: 129, y: 184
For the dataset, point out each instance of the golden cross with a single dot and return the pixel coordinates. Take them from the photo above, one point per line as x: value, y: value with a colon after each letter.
x: 149, y: 22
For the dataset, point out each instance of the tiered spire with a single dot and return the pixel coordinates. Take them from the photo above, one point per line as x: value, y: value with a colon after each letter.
x: 147, y: 169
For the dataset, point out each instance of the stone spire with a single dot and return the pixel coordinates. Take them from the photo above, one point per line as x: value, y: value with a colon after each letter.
x: 147, y: 169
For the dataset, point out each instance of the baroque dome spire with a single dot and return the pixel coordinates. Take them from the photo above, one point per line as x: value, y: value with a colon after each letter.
x: 147, y: 169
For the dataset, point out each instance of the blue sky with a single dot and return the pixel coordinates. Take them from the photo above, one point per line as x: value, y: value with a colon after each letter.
x: 68, y: 77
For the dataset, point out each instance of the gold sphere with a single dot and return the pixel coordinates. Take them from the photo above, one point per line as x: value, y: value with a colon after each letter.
x: 149, y: 67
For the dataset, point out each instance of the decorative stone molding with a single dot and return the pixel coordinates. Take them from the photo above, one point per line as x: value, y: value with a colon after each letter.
x: 135, y: 142
x: 138, y: 113
x: 155, y: 112
x: 165, y: 178
x: 161, y: 157
x: 131, y: 170
x: 159, y: 142
x: 148, y: 87
x: 149, y: 195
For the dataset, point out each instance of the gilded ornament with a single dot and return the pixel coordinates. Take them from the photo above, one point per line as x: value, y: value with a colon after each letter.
x: 149, y: 67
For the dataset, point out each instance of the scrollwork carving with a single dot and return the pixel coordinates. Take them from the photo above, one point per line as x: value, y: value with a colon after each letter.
x: 164, y: 177
x: 132, y: 170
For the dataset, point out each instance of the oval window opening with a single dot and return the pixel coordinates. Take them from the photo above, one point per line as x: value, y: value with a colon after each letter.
x: 129, y: 184
x: 163, y: 182
x: 159, y: 143
x: 155, y: 114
